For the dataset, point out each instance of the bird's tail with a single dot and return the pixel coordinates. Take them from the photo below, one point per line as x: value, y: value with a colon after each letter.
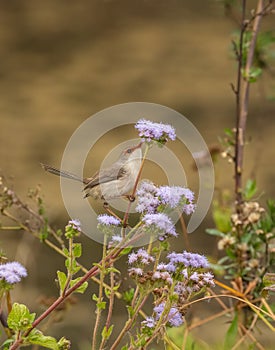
x: 62, y: 173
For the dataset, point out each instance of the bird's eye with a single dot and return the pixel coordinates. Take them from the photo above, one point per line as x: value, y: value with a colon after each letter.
x: 129, y: 150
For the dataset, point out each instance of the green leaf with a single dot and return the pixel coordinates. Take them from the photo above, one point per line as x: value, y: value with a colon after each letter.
x: 130, y: 310
x: 128, y: 295
x: 62, y: 279
x: 77, y: 250
x: 231, y: 334
x: 112, y: 269
x: 66, y: 252
x: 101, y: 305
x: 125, y: 251
x: 94, y: 297
x: 38, y: 338
x: 20, y: 318
x: 229, y: 132
x: 214, y: 232
x: 250, y: 189
x: 106, y: 333
x: 253, y: 74
x: 7, y: 343
x: 221, y: 216
x: 81, y: 289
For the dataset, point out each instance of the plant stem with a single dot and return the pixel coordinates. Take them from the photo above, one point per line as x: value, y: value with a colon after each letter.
x: 242, y: 93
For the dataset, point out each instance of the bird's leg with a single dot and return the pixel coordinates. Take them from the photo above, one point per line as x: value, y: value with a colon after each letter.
x: 130, y: 198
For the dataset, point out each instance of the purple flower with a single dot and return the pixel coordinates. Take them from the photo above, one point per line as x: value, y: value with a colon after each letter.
x: 188, y: 259
x: 140, y: 256
x: 189, y: 208
x: 150, y: 197
x: 149, y: 322
x: 166, y: 267
x: 147, y: 199
x: 174, y: 316
x: 133, y: 271
x: 116, y: 239
x: 160, y: 132
x: 108, y: 220
x: 162, y: 275
x: 74, y: 224
x: 208, y: 279
x: 161, y: 224
x: 176, y: 196
x: 12, y: 272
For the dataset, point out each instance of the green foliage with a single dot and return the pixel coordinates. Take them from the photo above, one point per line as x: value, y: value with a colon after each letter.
x: 232, y: 333
x: 106, y: 332
x: 128, y: 295
x: 20, y: 318
x: 38, y: 338
x: 250, y: 189
x: 62, y: 279
x: 81, y: 289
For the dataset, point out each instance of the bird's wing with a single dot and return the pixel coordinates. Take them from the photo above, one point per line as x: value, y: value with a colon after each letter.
x: 106, y: 175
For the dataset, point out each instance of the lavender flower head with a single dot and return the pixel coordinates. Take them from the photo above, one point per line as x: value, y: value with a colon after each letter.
x: 108, y: 220
x: 150, y: 131
x: 188, y: 259
x: 149, y: 322
x: 12, y: 272
x: 74, y: 224
x: 147, y: 198
x: 161, y: 224
x: 174, y: 316
x: 152, y: 199
x: 141, y: 256
x: 176, y: 196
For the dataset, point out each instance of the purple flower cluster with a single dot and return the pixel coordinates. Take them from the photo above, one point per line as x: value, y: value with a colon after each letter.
x: 174, y: 317
x: 12, y: 272
x: 150, y: 131
x: 149, y: 322
x: 141, y: 256
x: 150, y: 198
x: 115, y: 240
x: 74, y: 224
x: 147, y: 198
x: 188, y: 259
x: 161, y: 224
x: 108, y: 220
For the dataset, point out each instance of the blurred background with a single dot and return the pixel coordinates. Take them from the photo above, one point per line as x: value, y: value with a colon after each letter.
x: 62, y: 61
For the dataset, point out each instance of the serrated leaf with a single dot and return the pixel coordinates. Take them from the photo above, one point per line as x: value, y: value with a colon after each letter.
x: 20, y: 318
x: 231, y: 334
x: 106, y: 333
x: 62, y: 279
x: 38, y: 338
x: 81, y: 289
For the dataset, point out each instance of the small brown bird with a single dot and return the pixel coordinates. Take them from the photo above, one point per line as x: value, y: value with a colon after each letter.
x: 115, y: 181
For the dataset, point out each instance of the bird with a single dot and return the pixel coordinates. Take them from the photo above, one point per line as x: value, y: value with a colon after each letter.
x: 112, y: 182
